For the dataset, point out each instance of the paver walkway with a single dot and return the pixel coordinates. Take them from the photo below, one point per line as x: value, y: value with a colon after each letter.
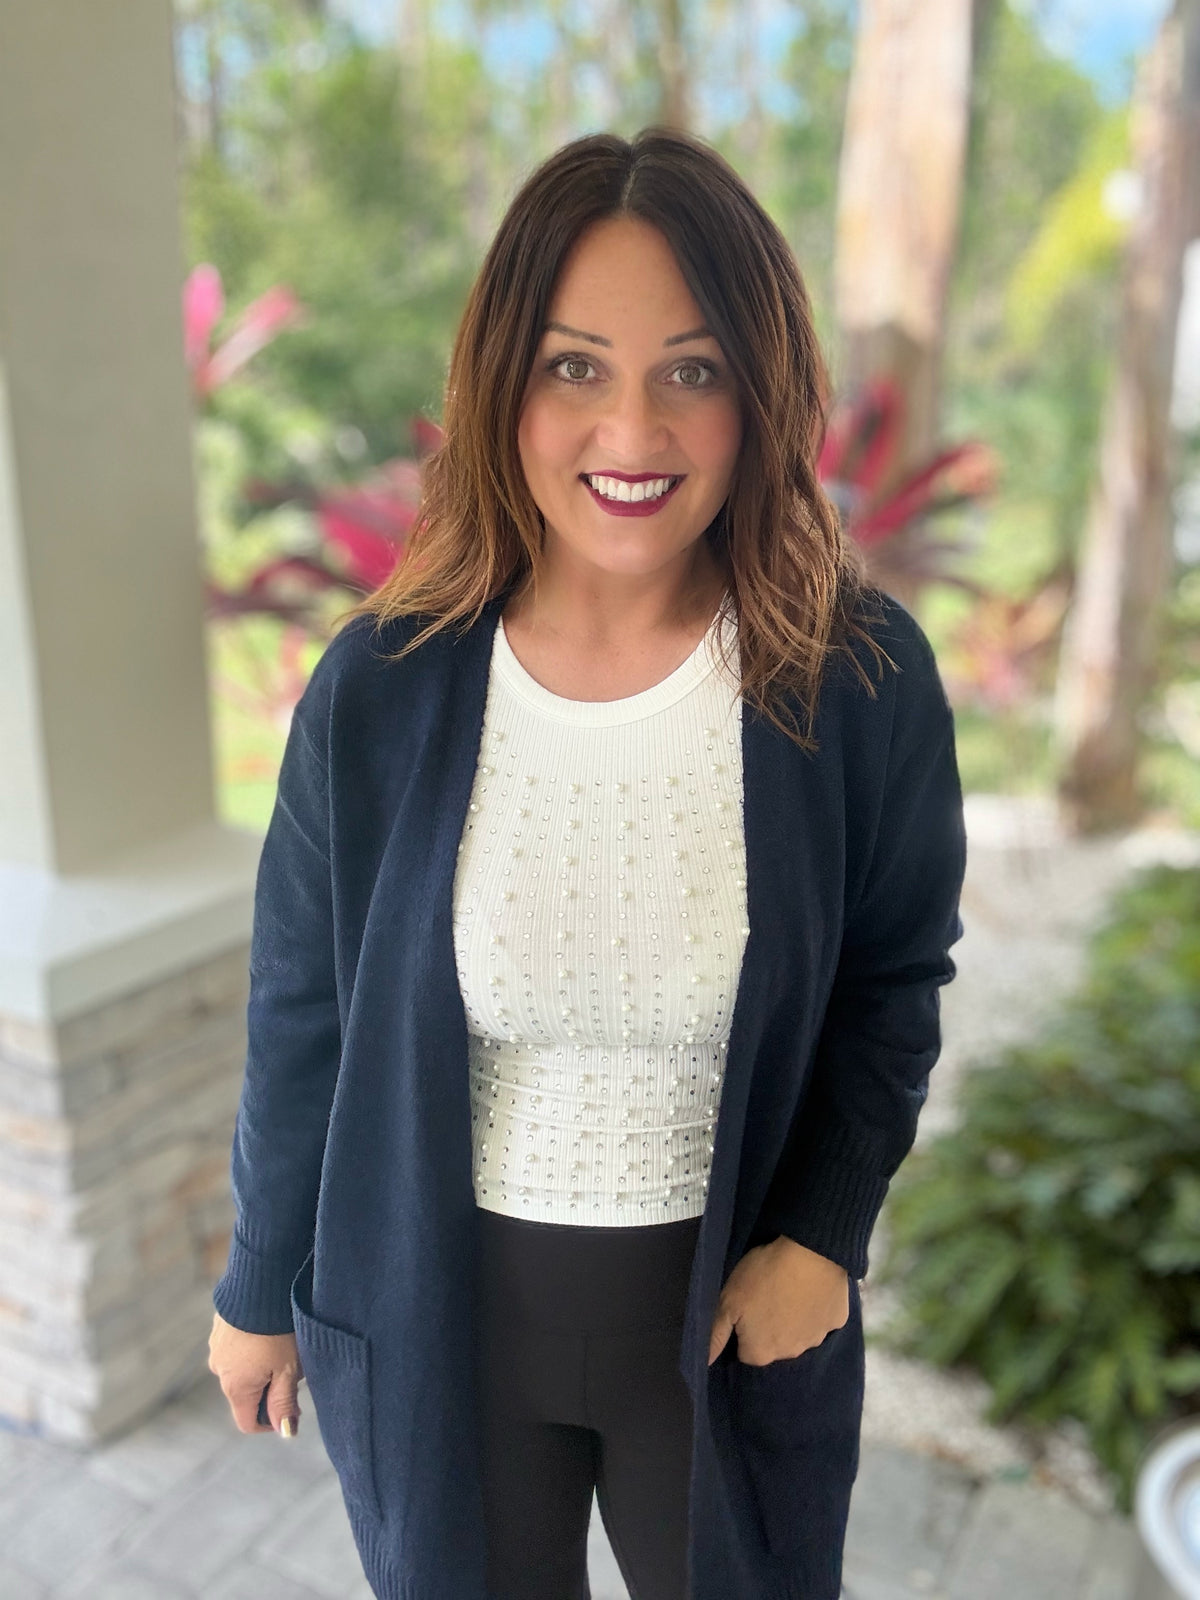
x: 186, y: 1508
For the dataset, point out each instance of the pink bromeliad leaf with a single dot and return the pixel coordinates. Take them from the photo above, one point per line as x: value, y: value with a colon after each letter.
x: 203, y: 308
x: 258, y: 324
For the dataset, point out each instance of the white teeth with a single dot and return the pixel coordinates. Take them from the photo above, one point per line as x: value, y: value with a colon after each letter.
x: 617, y: 489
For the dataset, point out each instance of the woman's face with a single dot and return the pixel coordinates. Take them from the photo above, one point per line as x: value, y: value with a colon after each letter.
x: 627, y: 385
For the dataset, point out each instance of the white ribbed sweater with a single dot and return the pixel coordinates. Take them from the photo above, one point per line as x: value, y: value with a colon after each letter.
x: 599, y: 926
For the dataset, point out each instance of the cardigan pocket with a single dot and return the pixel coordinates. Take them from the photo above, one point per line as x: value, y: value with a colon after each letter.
x: 798, y: 1423
x: 337, y: 1365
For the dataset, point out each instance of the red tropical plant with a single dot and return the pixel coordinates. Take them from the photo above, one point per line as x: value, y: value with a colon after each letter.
x: 1001, y: 649
x: 857, y: 471
x: 1000, y: 652
x: 363, y: 528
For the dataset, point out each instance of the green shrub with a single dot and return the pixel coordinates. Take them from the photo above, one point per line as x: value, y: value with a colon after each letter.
x: 1052, y: 1240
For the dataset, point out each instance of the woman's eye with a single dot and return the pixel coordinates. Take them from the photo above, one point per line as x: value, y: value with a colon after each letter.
x: 570, y: 361
x: 575, y: 369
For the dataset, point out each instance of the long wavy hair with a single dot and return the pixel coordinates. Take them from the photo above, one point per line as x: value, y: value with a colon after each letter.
x: 795, y: 584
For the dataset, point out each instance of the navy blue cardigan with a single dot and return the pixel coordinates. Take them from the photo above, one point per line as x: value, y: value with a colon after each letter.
x: 352, y: 1156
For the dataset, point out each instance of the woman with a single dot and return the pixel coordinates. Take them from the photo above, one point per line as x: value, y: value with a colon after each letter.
x: 598, y: 936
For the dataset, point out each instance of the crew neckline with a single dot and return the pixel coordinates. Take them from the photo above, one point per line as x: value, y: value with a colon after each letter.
x: 700, y: 665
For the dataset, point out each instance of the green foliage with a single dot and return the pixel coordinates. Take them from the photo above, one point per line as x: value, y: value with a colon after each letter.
x: 1052, y: 1241
x: 1032, y: 114
x: 226, y: 222
x: 803, y: 197
x: 1171, y: 768
x: 328, y: 183
x: 1041, y: 413
x: 1079, y: 237
x: 1037, y: 126
x: 274, y: 435
x: 1003, y: 752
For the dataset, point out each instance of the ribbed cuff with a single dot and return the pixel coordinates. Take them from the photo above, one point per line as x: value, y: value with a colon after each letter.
x: 255, y: 1291
x: 831, y: 1207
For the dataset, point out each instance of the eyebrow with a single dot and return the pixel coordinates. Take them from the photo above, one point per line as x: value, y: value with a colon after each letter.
x: 596, y: 338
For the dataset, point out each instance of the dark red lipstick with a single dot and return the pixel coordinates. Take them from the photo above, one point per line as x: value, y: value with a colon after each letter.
x: 632, y: 508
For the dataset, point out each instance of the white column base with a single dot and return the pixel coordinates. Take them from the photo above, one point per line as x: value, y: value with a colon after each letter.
x: 122, y: 1044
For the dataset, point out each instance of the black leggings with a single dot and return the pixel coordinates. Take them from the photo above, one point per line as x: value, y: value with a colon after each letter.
x: 580, y: 1333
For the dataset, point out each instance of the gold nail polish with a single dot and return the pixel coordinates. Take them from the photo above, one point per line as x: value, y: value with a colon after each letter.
x: 286, y: 1428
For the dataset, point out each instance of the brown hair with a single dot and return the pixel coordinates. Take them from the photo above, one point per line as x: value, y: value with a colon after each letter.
x: 795, y: 581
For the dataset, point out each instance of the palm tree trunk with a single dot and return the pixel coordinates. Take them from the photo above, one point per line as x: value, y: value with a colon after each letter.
x: 750, y: 134
x: 1110, y: 645
x: 215, y: 82
x: 900, y: 188
x: 412, y: 33
x: 674, y: 103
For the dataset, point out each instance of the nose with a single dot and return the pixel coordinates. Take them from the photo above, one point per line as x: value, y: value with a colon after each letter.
x: 631, y: 426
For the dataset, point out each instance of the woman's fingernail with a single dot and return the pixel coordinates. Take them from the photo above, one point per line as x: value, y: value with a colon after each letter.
x: 287, y: 1428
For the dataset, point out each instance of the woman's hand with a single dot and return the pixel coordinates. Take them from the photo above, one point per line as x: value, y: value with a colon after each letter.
x: 246, y: 1363
x: 782, y: 1298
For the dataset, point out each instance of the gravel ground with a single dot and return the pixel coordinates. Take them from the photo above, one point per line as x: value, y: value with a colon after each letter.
x: 1031, y: 896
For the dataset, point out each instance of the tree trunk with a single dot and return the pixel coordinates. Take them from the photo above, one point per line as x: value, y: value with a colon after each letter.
x: 412, y: 34
x: 562, y: 75
x: 900, y: 188
x: 750, y: 132
x: 611, y: 42
x: 214, y: 83
x: 479, y: 186
x: 1110, y: 645
x: 674, y: 106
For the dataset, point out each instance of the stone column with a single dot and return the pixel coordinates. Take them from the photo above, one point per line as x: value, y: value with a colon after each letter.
x: 124, y: 906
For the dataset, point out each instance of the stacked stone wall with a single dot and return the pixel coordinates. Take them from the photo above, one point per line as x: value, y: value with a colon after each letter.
x: 115, y: 1209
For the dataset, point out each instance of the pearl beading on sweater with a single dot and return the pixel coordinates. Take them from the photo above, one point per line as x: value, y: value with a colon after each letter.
x: 612, y: 829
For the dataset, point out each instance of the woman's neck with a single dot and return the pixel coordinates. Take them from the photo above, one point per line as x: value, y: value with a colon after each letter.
x: 573, y: 613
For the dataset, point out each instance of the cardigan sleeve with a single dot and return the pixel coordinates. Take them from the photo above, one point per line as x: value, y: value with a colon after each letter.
x: 881, y: 1032
x: 293, y: 1039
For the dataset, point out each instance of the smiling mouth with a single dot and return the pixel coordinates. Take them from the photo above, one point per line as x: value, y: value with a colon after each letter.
x: 623, y: 493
